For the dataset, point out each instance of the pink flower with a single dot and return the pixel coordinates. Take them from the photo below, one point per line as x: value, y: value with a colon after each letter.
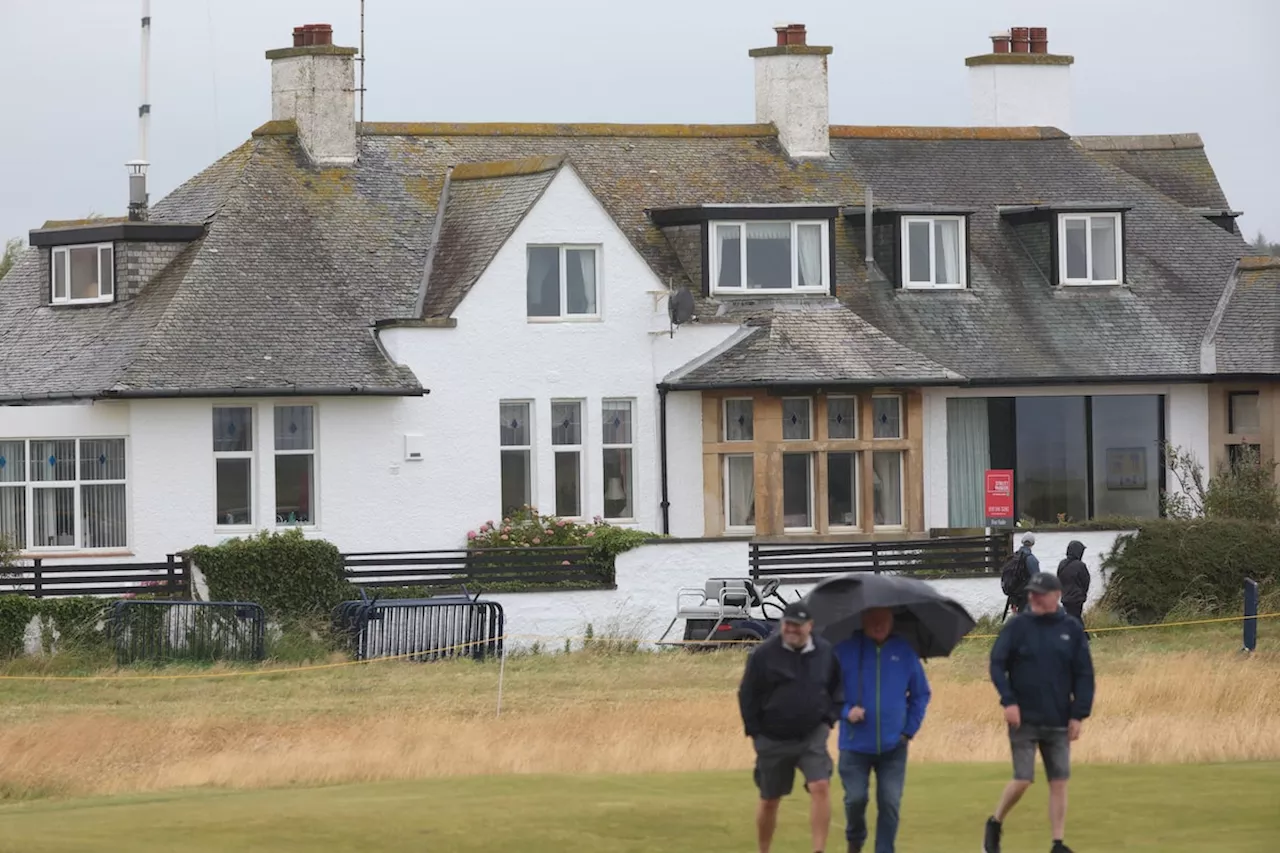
x: 506, y: 530
x: 590, y: 533
x: 561, y: 523
x: 505, y: 537
x: 471, y: 534
x: 537, y: 541
x: 488, y: 524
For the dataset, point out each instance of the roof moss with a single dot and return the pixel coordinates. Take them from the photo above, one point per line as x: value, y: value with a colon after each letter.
x: 277, y: 127
x: 80, y: 223
x: 505, y: 168
x: 684, y: 131
x: 1259, y: 262
x: 1149, y: 142
x: 791, y: 50
x: 945, y: 133
x: 1019, y: 59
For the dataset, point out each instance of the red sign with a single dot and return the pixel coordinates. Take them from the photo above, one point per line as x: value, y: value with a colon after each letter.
x: 999, y: 498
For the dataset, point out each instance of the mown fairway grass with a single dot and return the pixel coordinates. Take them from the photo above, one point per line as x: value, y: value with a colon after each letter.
x: 1222, y: 808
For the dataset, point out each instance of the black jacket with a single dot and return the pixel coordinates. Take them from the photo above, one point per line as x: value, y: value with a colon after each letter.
x: 786, y: 694
x: 1074, y: 575
x: 1042, y: 664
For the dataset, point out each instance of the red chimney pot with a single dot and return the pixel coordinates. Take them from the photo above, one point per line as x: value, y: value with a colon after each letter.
x: 299, y: 35
x: 1000, y: 43
x: 796, y: 34
x: 1021, y: 38
x: 1039, y: 39
x: 323, y: 34
x: 782, y: 35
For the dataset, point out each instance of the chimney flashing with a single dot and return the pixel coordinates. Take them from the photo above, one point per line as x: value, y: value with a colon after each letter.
x: 791, y: 50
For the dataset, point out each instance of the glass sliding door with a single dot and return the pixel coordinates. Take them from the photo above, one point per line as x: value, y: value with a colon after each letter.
x: 1052, y: 473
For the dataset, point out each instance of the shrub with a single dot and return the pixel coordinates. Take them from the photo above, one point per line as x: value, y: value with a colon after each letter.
x: 15, y: 612
x: 527, y: 528
x: 293, y: 578
x: 1183, y: 567
x: 80, y: 623
x: 1243, y: 488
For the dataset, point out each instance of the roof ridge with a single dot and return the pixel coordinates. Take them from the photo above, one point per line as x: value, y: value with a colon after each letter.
x: 1259, y: 262
x: 484, y: 169
x: 711, y: 131
x: 926, y: 132
x: 1141, y: 142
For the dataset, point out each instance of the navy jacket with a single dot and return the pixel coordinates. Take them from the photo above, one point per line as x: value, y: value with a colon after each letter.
x: 1042, y: 664
x: 889, y: 682
x: 785, y: 694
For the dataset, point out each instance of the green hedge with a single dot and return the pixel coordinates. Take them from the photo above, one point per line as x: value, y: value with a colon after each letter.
x: 79, y: 623
x: 295, y: 579
x: 1174, y: 566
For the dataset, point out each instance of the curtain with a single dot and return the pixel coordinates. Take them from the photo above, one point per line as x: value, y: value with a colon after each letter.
x: 887, y: 468
x: 742, y: 491
x: 809, y: 256
x: 729, y: 255
x: 947, y: 245
x: 543, y: 283
x: 102, y: 510
x: 968, y: 458
x: 1104, y: 248
x: 13, y: 516
x: 580, y: 281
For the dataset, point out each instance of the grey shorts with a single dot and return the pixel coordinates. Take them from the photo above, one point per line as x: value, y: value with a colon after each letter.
x: 1054, y: 746
x: 778, y: 760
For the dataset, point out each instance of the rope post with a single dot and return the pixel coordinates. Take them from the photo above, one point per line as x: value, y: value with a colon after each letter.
x: 1250, y: 616
x: 502, y: 674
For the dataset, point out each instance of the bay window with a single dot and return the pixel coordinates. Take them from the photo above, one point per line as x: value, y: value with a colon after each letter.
x: 63, y: 493
x: 774, y: 256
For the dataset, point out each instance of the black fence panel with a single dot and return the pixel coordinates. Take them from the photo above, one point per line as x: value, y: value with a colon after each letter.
x: 478, y: 568
x: 424, y: 629
x: 188, y: 631
x: 962, y: 556
x: 44, y: 577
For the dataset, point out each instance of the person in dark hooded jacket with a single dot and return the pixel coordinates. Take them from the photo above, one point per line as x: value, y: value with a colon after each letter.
x: 1074, y: 575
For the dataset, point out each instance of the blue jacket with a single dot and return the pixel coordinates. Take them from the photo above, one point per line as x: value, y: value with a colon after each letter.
x: 1042, y: 664
x: 888, y: 682
x: 1033, y: 562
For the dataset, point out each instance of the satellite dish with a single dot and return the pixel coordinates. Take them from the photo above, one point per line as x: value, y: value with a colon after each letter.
x: 680, y: 307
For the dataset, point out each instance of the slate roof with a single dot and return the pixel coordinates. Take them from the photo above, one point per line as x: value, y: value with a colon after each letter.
x: 1248, y: 338
x: 1175, y: 164
x: 298, y: 262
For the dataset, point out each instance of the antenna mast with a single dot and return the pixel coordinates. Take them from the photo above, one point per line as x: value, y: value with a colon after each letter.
x: 362, y: 61
x: 138, y: 168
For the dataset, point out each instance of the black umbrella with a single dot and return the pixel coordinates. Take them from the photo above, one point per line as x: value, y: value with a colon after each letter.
x: 932, y: 623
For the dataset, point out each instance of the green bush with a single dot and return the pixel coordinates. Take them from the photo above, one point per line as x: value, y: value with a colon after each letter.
x: 80, y: 623
x: 1183, y: 568
x: 527, y: 528
x: 293, y: 578
x: 15, y: 612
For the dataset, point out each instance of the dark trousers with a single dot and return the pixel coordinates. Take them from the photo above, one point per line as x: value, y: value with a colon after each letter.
x: 1076, y: 609
x: 891, y: 777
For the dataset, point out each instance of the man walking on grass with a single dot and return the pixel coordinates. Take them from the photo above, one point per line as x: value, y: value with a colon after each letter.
x: 886, y: 694
x: 790, y: 697
x: 1040, y: 665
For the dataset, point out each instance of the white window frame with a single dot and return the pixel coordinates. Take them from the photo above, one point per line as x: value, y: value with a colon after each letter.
x: 251, y: 455
x: 724, y: 420
x: 314, y: 453
x: 738, y: 528
x: 65, y: 253
x: 564, y: 316
x: 901, y: 417
x: 932, y: 283
x: 808, y: 401
x: 812, y: 513
x: 857, y: 427
x: 30, y: 486
x: 531, y: 417
x: 580, y: 448
x: 857, y: 489
x: 1063, y: 219
x: 630, y: 474
x: 742, y: 289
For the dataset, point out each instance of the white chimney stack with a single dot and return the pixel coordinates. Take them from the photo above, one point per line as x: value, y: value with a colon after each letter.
x: 791, y: 92
x: 313, y: 84
x: 1019, y: 83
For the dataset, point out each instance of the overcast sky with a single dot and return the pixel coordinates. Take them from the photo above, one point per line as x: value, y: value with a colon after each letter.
x: 70, y: 72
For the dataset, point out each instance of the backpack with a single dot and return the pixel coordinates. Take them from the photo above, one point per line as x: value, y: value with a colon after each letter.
x: 1014, y: 574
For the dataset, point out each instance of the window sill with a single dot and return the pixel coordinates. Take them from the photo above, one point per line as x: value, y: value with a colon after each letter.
x: 594, y: 318
x: 935, y: 288
x: 753, y: 294
x: 918, y: 292
x: 739, y: 531
x: 78, y: 554
x: 82, y: 303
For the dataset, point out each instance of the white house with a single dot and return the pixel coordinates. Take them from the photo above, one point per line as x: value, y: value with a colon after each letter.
x: 388, y: 334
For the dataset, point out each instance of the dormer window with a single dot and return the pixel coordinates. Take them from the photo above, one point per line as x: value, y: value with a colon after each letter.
x: 933, y: 252
x: 770, y: 257
x: 1089, y: 248
x: 82, y: 274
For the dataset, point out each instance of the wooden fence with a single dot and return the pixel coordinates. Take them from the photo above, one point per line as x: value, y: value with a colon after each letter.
x: 46, y: 579
x: 479, y: 569
x: 968, y: 556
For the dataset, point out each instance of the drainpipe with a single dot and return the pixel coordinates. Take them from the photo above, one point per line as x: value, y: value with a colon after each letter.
x: 662, y: 458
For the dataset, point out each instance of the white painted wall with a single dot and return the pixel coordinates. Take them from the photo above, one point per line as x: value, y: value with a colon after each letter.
x: 1021, y: 95
x: 791, y: 92
x: 1186, y: 423
x: 318, y: 91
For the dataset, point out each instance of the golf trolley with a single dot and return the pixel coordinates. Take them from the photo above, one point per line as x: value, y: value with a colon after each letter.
x: 726, y: 609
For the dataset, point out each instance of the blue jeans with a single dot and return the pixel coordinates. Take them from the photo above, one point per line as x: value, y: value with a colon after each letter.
x: 891, y: 776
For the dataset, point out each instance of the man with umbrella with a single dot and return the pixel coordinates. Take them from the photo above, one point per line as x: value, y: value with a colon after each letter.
x: 882, y: 626
x: 886, y: 694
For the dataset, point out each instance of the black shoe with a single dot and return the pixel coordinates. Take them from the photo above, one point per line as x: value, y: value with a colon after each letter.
x: 991, y: 839
x: 1059, y: 847
x: 855, y: 848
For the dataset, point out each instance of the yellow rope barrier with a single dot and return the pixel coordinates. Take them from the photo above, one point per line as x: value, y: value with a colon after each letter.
x: 234, y: 673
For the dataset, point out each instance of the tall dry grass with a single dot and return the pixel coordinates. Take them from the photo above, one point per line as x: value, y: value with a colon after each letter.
x: 577, y: 714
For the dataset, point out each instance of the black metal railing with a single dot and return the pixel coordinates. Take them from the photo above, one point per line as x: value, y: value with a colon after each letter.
x: 421, y: 629
x: 44, y: 578
x: 478, y: 569
x: 965, y: 556
x: 161, y: 631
